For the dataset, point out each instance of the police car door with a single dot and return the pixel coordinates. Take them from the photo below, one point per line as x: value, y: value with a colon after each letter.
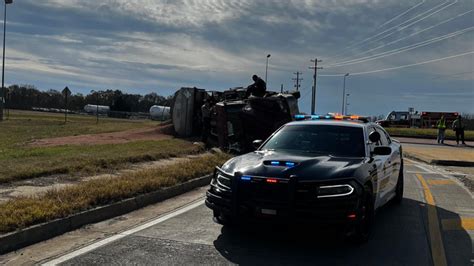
x: 393, y: 160
x: 382, y: 164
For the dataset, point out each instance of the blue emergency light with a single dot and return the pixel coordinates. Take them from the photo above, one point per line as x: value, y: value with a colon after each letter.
x: 246, y: 178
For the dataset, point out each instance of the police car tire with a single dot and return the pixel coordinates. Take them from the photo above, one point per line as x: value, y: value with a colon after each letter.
x: 399, y: 188
x: 222, y: 219
x: 362, y: 230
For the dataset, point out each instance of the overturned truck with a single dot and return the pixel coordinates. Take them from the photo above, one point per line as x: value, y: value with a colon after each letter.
x: 231, y: 120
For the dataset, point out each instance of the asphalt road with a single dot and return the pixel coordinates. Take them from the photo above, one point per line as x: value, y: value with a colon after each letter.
x: 434, y: 225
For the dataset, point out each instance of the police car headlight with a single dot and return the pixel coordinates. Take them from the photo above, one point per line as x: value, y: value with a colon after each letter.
x: 223, y: 181
x: 335, y: 191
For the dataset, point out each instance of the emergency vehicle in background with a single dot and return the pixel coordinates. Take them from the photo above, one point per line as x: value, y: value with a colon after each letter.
x: 415, y: 119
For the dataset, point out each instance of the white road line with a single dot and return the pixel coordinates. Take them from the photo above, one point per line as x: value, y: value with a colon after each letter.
x: 118, y: 236
x: 424, y: 168
x: 442, y: 172
x: 418, y: 172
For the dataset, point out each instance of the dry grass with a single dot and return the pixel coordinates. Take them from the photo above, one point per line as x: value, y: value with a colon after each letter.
x: 26, y: 163
x: 23, y: 212
x: 19, y: 161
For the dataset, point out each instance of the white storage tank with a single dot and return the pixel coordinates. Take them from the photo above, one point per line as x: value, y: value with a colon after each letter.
x: 92, y: 108
x: 158, y: 112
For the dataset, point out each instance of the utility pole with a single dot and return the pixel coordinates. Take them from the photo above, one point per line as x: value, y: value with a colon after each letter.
x: 313, y: 96
x: 297, y: 80
x: 3, y: 98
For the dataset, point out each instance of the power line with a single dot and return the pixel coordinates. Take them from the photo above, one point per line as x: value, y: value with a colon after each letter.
x: 399, y: 67
x: 411, y: 35
x: 414, y: 22
x: 350, y: 47
x: 400, y: 50
x: 401, y: 24
x: 408, y: 10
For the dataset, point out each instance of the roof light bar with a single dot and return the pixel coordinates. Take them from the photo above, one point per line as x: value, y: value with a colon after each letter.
x: 331, y: 117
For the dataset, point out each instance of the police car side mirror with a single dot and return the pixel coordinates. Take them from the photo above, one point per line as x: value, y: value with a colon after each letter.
x: 374, y: 137
x: 382, y: 150
x: 257, y: 143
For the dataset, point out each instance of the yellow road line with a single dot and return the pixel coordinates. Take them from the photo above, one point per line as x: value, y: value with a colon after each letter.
x: 458, y: 224
x: 436, y: 241
x: 441, y: 182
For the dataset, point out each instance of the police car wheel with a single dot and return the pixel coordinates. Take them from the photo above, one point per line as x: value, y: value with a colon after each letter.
x: 399, y: 188
x: 220, y: 218
x: 363, y: 228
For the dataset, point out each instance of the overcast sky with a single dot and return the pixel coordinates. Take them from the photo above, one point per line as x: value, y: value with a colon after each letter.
x: 142, y: 46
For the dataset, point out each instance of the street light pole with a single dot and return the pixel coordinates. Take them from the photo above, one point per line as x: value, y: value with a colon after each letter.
x: 344, y: 94
x: 347, y: 103
x: 266, y: 68
x: 4, y: 99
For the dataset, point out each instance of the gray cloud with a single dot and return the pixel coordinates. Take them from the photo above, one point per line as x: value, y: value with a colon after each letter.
x: 147, y: 45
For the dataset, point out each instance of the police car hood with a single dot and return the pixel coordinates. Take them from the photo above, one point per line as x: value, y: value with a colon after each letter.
x: 306, y: 166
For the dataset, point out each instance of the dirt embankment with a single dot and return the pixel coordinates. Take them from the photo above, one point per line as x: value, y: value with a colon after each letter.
x: 156, y: 133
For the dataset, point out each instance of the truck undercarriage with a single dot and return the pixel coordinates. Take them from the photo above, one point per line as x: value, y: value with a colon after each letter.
x: 231, y: 120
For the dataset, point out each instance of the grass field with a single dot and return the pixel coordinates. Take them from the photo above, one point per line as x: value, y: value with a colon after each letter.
x: 426, y: 133
x: 22, y: 212
x: 20, y: 161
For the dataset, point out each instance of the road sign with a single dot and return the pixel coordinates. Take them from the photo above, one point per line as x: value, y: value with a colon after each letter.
x: 66, y: 92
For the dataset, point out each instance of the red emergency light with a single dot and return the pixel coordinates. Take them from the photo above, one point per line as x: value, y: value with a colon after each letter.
x: 352, y: 216
x: 272, y: 180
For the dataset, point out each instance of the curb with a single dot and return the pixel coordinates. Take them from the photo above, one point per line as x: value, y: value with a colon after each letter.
x: 37, y: 233
x: 435, y: 144
x: 440, y: 162
x: 430, y: 137
x: 453, y: 163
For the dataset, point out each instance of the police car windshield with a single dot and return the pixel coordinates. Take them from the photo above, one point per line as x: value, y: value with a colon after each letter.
x: 332, y: 140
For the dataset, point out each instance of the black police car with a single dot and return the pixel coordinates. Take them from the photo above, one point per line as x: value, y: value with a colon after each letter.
x: 324, y: 169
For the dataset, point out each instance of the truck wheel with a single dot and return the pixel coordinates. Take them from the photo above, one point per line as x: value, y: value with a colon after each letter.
x: 363, y: 228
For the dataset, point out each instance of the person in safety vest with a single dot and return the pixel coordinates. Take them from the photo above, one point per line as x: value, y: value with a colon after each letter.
x: 458, y: 127
x: 441, y: 125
